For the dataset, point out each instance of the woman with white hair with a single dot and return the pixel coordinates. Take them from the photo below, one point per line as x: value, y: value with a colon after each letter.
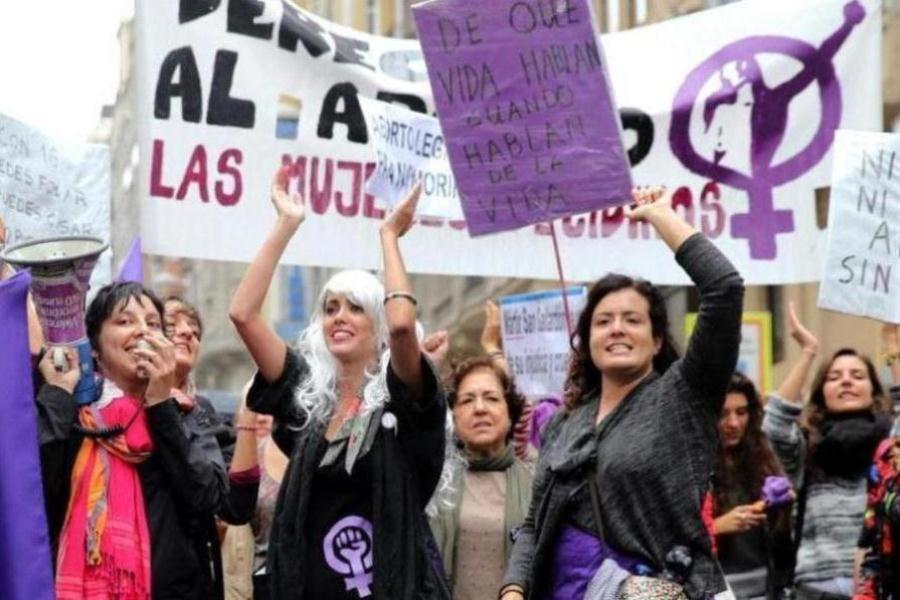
x: 360, y: 412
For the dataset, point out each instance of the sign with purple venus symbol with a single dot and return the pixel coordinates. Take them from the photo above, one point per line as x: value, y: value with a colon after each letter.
x: 768, y: 122
x: 348, y: 551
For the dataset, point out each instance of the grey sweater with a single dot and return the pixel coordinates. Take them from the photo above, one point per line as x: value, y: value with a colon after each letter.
x: 834, y: 510
x: 653, y: 454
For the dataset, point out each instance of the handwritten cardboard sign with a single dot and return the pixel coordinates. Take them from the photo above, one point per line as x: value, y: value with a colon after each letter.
x: 862, y: 264
x: 49, y: 189
x: 525, y: 103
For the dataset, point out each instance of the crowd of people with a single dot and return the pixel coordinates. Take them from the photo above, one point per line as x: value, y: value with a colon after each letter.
x: 361, y: 463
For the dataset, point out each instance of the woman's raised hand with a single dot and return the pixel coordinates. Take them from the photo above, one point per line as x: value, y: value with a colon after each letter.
x: 647, y: 200
x: 803, y: 336
x: 291, y: 207
x: 491, y: 336
x: 66, y: 379
x: 158, y: 363
x: 890, y: 339
x: 436, y: 346
x: 401, y: 218
x: 653, y: 205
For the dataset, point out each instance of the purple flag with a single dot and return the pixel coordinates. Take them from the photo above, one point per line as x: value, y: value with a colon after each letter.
x: 526, y: 107
x: 132, y: 268
x: 25, y: 566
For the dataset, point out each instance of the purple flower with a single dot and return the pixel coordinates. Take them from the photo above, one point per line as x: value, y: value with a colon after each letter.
x: 776, y: 491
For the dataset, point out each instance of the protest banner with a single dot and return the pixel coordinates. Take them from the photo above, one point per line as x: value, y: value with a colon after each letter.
x: 409, y: 147
x: 755, y: 352
x: 525, y: 103
x: 732, y: 108
x: 862, y: 262
x: 536, y: 338
x: 49, y: 189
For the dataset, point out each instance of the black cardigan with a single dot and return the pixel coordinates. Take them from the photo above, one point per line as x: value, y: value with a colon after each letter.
x: 652, y: 456
x: 407, y: 460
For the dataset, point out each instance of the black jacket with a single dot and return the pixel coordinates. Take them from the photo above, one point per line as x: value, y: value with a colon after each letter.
x: 184, y: 484
x: 407, y: 460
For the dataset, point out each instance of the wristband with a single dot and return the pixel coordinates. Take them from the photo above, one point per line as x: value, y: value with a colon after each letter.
x: 406, y: 295
x: 252, y: 428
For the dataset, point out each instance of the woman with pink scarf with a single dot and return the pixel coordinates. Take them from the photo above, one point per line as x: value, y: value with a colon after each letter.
x: 131, y: 480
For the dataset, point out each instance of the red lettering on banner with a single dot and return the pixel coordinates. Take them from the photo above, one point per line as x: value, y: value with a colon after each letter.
x: 157, y: 187
x: 225, y: 168
x: 573, y: 226
x: 320, y: 196
x: 709, y: 201
x: 352, y: 209
x: 228, y: 189
x: 639, y: 229
x: 297, y: 171
x: 684, y: 200
x: 195, y: 173
x: 612, y: 220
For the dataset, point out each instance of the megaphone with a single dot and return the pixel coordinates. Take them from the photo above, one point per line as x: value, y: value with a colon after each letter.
x: 60, y: 277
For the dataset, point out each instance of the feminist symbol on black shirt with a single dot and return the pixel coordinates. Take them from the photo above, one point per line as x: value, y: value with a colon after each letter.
x: 348, y: 551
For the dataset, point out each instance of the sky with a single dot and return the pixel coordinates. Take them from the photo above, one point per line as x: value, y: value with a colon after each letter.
x: 59, y: 62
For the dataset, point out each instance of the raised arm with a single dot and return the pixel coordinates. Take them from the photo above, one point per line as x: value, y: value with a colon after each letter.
x: 492, y: 337
x: 266, y: 348
x: 791, y: 389
x: 711, y: 355
x: 399, y: 302
x: 184, y: 445
x: 243, y: 474
x: 653, y: 205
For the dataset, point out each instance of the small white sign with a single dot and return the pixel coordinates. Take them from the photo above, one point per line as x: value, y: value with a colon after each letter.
x: 536, y: 338
x: 862, y: 266
x: 50, y: 190
x: 409, y: 147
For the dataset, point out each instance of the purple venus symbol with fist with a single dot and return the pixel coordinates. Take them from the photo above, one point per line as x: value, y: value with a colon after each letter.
x: 348, y: 551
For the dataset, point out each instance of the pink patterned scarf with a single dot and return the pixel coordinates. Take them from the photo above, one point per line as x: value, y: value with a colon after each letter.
x: 104, y: 550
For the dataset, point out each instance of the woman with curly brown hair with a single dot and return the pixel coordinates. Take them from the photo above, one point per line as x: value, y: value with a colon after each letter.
x: 490, y: 488
x: 828, y: 459
x: 623, y: 471
x: 751, y: 499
